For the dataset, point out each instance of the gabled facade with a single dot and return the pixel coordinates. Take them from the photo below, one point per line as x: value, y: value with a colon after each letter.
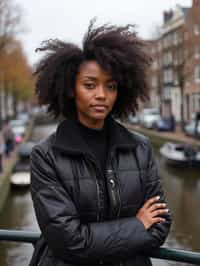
x: 178, y: 49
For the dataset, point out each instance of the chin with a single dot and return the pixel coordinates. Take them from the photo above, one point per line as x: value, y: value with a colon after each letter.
x: 99, y: 116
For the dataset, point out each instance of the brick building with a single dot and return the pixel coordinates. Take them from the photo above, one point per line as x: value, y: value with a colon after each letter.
x: 175, y: 72
x: 154, y: 47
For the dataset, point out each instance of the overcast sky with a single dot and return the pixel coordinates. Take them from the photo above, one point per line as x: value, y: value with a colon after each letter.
x: 68, y: 19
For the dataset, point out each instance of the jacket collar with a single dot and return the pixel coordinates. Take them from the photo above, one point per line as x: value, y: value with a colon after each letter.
x: 68, y: 137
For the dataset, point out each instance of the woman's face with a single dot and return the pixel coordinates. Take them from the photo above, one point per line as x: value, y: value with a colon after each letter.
x: 95, y: 94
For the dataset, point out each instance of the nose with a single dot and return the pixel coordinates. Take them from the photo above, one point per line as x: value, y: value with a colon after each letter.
x: 100, y: 92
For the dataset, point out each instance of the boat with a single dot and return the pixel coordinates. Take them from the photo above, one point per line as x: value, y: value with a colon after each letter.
x: 180, y: 154
x: 20, y: 179
x: 21, y: 174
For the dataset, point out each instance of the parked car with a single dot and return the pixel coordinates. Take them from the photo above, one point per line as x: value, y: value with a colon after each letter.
x: 19, y: 129
x: 17, y: 123
x: 190, y: 129
x: 25, y: 117
x: 21, y: 176
x: 149, y: 116
x: 133, y: 119
x: 165, y: 124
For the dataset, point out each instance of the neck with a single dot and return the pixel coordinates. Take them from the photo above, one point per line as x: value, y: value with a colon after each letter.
x: 93, y: 125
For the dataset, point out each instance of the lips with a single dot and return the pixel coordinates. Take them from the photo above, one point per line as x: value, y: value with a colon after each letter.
x: 99, y: 108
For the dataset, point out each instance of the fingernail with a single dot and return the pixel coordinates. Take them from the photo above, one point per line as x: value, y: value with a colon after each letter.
x: 158, y: 197
x: 166, y: 210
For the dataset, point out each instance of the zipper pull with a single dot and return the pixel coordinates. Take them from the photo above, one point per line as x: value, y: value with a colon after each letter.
x: 110, y: 178
x: 112, y: 182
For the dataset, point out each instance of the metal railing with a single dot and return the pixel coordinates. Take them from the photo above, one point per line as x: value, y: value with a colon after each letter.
x: 161, y: 253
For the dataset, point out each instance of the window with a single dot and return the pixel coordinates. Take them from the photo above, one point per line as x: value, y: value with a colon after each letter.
x: 196, y: 29
x: 196, y: 101
x: 155, y: 64
x: 175, y: 78
x: 193, y: 102
x: 164, y: 59
x: 167, y: 93
x: 169, y: 40
x: 196, y: 52
x: 165, y: 42
x: 169, y: 57
x: 197, y: 73
x: 168, y: 75
x: 159, y: 46
x: 175, y: 59
x: 165, y: 76
x: 154, y: 82
x: 175, y: 38
x: 180, y: 56
x: 180, y: 38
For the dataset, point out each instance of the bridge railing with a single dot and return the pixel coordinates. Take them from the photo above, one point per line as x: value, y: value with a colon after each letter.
x: 161, y: 253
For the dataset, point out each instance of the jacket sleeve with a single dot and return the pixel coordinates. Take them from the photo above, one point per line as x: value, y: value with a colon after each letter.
x: 153, y: 187
x: 59, y: 221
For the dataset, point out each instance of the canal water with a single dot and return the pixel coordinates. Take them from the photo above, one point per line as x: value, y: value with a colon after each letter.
x: 182, y: 187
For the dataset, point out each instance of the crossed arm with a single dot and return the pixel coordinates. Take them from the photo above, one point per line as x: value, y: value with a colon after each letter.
x: 73, y: 241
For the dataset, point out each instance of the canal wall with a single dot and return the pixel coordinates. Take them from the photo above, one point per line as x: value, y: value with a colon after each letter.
x: 5, y: 178
x: 159, y: 138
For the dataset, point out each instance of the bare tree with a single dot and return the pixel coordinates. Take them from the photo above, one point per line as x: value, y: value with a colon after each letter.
x: 10, y: 25
x: 10, y: 21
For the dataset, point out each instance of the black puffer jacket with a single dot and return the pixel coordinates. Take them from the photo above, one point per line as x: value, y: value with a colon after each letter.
x: 68, y: 193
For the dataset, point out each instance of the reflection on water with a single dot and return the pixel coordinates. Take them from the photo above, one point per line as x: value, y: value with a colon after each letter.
x: 182, y: 187
x: 17, y: 214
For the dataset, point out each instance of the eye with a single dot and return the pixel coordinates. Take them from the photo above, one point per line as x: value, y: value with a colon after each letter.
x: 89, y: 85
x: 112, y: 86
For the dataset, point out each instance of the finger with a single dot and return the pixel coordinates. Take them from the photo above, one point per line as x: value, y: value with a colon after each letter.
x: 150, y: 201
x: 156, y: 206
x: 159, y: 212
x: 158, y: 220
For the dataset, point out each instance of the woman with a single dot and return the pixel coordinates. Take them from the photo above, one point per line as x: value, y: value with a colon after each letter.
x: 95, y: 186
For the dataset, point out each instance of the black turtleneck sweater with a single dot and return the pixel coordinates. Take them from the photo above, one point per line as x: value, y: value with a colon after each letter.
x: 97, y: 141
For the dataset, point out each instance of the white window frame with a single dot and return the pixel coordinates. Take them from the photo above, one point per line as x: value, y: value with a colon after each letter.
x: 154, y: 82
x: 197, y: 74
x: 196, y: 29
x: 196, y: 52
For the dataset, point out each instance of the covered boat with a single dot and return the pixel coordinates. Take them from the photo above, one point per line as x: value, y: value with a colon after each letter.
x: 21, y: 175
x: 20, y: 179
x: 180, y: 154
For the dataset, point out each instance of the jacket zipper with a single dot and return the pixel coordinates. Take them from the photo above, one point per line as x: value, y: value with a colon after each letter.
x: 113, y: 190
x: 97, y: 186
x: 98, y: 199
x: 112, y: 186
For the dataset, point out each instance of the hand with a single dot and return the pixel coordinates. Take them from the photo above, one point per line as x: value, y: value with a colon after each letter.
x: 151, y: 212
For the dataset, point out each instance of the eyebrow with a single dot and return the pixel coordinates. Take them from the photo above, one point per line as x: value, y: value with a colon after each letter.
x: 90, y: 77
x: 94, y: 78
